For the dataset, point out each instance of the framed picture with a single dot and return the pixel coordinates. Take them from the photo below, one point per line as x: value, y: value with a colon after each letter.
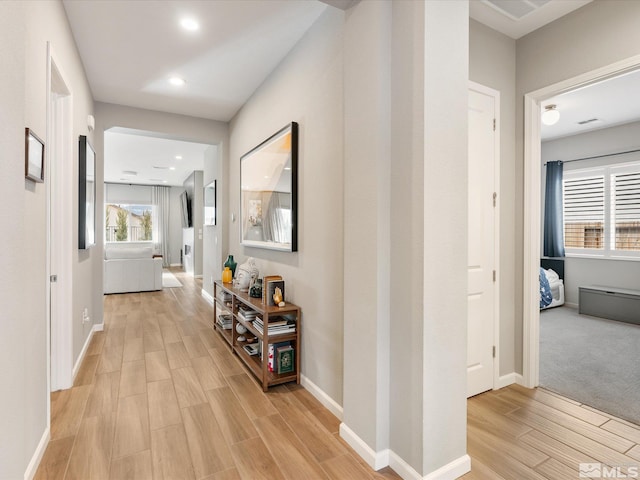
x: 210, y: 204
x: 33, y: 156
x: 86, y: 195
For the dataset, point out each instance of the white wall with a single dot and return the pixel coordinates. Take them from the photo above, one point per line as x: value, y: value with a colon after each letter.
x: 25, y: 28
x: 212, y: 238
x: 600, y: 271
x: 306, y: 88
x: 596, y: 35
x: 492, y: 63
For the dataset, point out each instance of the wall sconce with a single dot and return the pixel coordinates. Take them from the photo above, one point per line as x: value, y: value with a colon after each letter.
x: 551, y: 115
x: 91, y: 122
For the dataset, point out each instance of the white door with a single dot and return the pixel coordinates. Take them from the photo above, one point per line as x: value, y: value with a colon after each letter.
x: 482, y: 238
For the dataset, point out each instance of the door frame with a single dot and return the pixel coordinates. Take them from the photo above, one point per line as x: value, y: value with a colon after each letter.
x: 495, y: 94
x: 532, y: 210
x: 59, y: 215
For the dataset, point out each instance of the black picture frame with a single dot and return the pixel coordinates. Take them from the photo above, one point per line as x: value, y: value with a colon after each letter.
x: 33, y: 156
x: 269, y: 192
x: 86, y: 194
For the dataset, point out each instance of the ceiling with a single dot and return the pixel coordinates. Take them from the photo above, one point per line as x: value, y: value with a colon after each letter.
x: 136, y: 157
x: 516, y: 18
x: 611, y: 102
x: 130, y: 49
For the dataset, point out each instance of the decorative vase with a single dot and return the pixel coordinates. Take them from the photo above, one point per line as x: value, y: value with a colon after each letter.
x: 232, y: 264
x: 227, y: 276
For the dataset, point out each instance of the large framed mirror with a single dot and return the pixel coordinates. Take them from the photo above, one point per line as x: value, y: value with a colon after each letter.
x: 86, y: 195
x: 269, y: 192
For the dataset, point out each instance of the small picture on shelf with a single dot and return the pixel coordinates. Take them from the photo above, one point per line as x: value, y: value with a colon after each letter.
x: 251, y: 349
x: 265, y: 285
x: 275, y: 288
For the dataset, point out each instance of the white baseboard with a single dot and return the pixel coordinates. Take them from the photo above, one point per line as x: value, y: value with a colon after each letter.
x: 175, y: 264
x: 451, y: 470
x: 197, y: 276
x: 32, y: 468
x: 96, y: 328
x: 328, y: 402
x: 375, y: 460
x: 571, y: 305
x: 508, y: 379
x: 402, y: 468
x: 207, y: 296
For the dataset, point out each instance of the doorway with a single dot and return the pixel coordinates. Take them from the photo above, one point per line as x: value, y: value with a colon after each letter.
x: 532, y: 210
x: 59, y: 223
x: 483, y: 215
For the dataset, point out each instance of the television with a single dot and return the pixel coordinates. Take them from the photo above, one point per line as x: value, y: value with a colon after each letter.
x: 185, y: 208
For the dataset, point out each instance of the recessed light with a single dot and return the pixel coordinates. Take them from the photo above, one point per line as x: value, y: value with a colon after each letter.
x: 172, y: 168
x: 266, y: 176
x: 177, y: 81
x: 287, y: 168
x: 165, y: 181
x: 190, y: 24
x: 178, y: 157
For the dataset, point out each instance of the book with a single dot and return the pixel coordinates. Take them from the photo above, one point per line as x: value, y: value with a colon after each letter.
x: 271, y: 289
x: 285, y: 359
x: 271, y: 359
x: 265, y: 282
x: 251, y: 349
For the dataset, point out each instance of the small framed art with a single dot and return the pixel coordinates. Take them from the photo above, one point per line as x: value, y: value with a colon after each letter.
x: 33, y: 156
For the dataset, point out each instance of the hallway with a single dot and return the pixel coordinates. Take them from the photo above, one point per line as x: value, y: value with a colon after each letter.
x: 160, y: 396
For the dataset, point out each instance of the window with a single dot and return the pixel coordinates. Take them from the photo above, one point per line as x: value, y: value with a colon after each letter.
x: 602, y: 211
x: 128, y: 223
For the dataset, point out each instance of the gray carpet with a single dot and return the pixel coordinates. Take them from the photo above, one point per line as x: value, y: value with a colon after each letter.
x: 591, y: 360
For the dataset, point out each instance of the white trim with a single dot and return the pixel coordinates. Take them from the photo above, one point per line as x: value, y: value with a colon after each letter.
x: 96, y: 328
x: 532, y: 173
x: 197, y: 276
x: 175, y: 264
x: 508, y: 379
x: 496, y: 224
x: 320, y: 395
x: 207, y: 296
x: 451, y: 470
x: 59, y: 326
x: 375, y: 460
x: 34, y: 463
x: 402, y: 468
x: 571, y: 305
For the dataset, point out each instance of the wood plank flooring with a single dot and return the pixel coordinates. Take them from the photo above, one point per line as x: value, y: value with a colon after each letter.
x: 160, y: 396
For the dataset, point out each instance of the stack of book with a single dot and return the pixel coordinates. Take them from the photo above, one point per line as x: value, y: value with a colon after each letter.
x: 225, y: 321
x: 224, y: 297
x: 277, y: 326
x: 246, y: 314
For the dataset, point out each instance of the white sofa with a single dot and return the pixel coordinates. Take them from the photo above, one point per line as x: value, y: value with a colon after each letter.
x: 131, y: 269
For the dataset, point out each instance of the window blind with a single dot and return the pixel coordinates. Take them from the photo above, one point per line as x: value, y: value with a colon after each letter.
x: 584, y: 211
x: 626, y: 210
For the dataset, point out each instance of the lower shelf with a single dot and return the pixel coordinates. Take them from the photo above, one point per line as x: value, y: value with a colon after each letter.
x: 255, y: 365
x: 225, y: 333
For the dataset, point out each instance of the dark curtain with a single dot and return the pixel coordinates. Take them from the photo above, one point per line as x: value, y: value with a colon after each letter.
x: 553, y: 228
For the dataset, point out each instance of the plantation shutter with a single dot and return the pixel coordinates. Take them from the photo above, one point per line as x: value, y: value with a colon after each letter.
x: 626, y: 210
x: 584, y: 212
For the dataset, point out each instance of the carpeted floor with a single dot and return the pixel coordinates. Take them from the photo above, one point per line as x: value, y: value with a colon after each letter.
x: 591, y: 360
x: 169, y: 280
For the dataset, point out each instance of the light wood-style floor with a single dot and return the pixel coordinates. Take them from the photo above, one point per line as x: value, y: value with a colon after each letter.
x: 160, y: 396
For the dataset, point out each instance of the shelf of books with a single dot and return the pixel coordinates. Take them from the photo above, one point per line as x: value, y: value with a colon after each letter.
x: 272, y: 354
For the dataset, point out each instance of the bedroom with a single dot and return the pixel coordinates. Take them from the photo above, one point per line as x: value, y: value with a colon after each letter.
x: 595, y: 209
